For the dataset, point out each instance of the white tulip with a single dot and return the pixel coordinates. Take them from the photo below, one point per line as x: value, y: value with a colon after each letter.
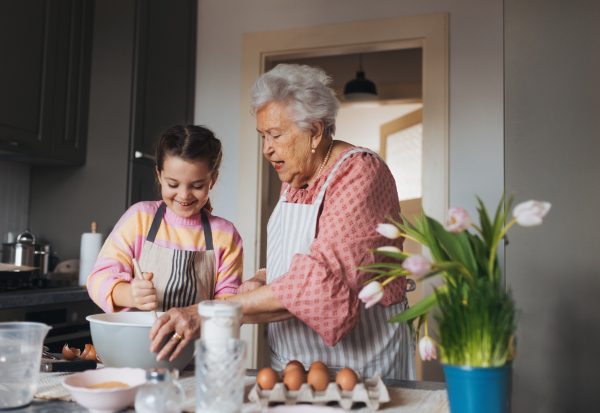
x: 531, y: 213
x: 388, y: 230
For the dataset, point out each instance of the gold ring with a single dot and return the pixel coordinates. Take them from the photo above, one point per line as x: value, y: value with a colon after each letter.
x: 177, y: 337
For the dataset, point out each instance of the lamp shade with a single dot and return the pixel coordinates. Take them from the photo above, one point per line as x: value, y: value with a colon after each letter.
x: 360, y: 88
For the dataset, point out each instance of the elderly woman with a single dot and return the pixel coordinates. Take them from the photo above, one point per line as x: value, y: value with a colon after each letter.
x: 332, y: 198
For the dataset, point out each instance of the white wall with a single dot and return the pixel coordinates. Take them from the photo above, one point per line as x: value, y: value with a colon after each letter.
x: 476, y: 79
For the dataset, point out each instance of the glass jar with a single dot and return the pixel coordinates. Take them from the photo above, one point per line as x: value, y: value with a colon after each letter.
x: 161, y: 393
x: 221, y: 320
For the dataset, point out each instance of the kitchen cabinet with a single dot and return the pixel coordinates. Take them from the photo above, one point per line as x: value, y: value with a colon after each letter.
x: 44, y: 80
x: 163, y: 83
x: 143, y: 182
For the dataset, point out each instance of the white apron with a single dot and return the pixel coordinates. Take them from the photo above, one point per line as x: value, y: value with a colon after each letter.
x: 374, y: 345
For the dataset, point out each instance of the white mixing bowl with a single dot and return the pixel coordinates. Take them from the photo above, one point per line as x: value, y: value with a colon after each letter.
x: 123, y: 340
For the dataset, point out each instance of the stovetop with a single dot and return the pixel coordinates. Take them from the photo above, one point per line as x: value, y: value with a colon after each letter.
x: 15, y: 282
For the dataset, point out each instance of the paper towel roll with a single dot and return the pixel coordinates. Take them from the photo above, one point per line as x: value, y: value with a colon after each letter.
x: 91, y: 243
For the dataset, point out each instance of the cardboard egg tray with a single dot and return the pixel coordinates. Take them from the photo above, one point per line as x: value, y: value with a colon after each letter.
x: 371, y: 393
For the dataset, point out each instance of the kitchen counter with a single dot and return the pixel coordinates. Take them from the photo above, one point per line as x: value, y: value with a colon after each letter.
x: 28, y: 298
x: 58, y: 406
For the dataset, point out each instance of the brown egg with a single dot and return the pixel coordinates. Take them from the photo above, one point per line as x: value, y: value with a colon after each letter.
x: 70, y: 353
x: 267, y: 378
x: 319, y: 365
x: 294, y: 364
x: 318, y: 378
x: 347, y: 379
x: 294, y: 379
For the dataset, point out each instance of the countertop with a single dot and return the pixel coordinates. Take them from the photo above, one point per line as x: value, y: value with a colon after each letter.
x: 58, y: 406
x: 28, y: 298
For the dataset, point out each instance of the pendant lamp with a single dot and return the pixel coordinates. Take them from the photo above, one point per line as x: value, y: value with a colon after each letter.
x: 361, y: 88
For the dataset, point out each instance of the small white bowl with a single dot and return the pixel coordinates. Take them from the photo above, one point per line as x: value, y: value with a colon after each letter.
x: 105, y: 400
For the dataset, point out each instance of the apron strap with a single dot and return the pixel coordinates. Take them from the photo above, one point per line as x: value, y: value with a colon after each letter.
x: 207, y: 231
x: 321, y: 195
x: 323, y: 189
x: 158, y: 219
x: 156, y: 222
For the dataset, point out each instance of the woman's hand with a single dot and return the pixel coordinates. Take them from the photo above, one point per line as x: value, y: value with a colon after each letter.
x: 253, y: 283
x: 181, y: 325
x: 144, y: 293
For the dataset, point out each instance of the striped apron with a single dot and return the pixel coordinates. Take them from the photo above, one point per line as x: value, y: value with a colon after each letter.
x: 374, y: 345
x: 181, y: 278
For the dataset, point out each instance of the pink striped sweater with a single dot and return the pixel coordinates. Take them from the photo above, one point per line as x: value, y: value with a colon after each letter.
x: 114, y: 264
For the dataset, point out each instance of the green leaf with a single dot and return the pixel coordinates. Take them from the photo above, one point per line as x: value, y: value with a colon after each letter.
x: 416, y: 235
x: 438, y: 254
x: 398, y: 256
x: 486, y: 225
x: 457, y: 246
x: 482, y: 254
x: 381, y: 265
x: 421, y: 307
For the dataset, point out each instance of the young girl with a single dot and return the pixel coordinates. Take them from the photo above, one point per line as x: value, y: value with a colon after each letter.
x: 186, y: 254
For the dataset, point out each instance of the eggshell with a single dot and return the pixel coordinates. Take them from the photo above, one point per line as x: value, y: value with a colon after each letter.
x: 267, y: 378
x: 318, y: 378
x: 85, y: 351
x: 91, y: 355
x: 319, y: 365
x: 347, y: 379
x: 294, y: 364
x: 70, y: 353
x: 294, y: 379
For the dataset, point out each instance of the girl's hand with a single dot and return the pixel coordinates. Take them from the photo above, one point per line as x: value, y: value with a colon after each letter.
x: 253, y: 283
x: 144, y: 293
x: 179, y: 326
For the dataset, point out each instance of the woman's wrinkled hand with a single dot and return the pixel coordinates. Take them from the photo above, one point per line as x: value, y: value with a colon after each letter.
x: 181, y: 325
x: 144, y: 293
x: 253, y: 283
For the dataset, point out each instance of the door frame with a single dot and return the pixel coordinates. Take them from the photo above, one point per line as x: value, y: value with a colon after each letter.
x: 429, y: 32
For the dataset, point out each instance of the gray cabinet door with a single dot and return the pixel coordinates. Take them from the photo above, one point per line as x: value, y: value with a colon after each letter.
x: 28, y: 44
x: 45, y: 49
x: 164, y: 77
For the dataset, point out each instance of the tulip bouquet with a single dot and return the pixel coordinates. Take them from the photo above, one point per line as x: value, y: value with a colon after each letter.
x: 476, y: 317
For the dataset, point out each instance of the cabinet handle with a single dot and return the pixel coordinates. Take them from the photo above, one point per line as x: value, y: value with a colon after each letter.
x: 139, y: 154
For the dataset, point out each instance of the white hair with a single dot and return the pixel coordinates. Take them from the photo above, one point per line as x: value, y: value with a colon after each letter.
x: 303, y: 89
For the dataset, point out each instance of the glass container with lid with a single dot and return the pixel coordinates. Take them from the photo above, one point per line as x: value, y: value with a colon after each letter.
x: 162, y: 393
x: 221, y: 320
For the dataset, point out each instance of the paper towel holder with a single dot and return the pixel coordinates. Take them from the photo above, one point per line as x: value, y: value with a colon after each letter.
x: 94, y: 227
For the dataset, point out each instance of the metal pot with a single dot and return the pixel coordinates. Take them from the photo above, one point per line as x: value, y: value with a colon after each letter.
x: 26, y: 251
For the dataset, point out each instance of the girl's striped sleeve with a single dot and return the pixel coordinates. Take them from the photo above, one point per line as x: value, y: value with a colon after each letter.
x: 230, y: 257
x: 114, y: 263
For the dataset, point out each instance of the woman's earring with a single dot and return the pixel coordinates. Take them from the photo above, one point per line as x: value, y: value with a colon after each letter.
x: 313, y: 151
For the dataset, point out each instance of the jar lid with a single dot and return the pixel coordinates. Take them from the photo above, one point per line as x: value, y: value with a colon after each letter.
x: 218, y: 308
x: 162, y: 374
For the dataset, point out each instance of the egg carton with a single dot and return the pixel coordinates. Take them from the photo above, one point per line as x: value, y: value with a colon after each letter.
x: 371, y: 393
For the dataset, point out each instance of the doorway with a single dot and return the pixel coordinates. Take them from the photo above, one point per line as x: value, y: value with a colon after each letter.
x: 261, y: 50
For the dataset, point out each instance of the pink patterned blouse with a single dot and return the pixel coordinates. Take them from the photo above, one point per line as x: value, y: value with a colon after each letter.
x: 321, y: 289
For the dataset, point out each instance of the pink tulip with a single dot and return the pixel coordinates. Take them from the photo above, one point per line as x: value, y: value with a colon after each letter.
x: 388, y: 230
x: 417, y: 265
x: 427, y: 349
x: 371, y: 294
x: 458, y: 220
x: 531, y: 213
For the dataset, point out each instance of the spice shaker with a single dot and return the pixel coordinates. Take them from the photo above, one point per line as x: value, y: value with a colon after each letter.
x: 221, y: 320
x: 162, y: 393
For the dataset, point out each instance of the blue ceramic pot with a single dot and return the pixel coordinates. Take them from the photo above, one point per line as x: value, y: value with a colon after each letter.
x: 478, y: 389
